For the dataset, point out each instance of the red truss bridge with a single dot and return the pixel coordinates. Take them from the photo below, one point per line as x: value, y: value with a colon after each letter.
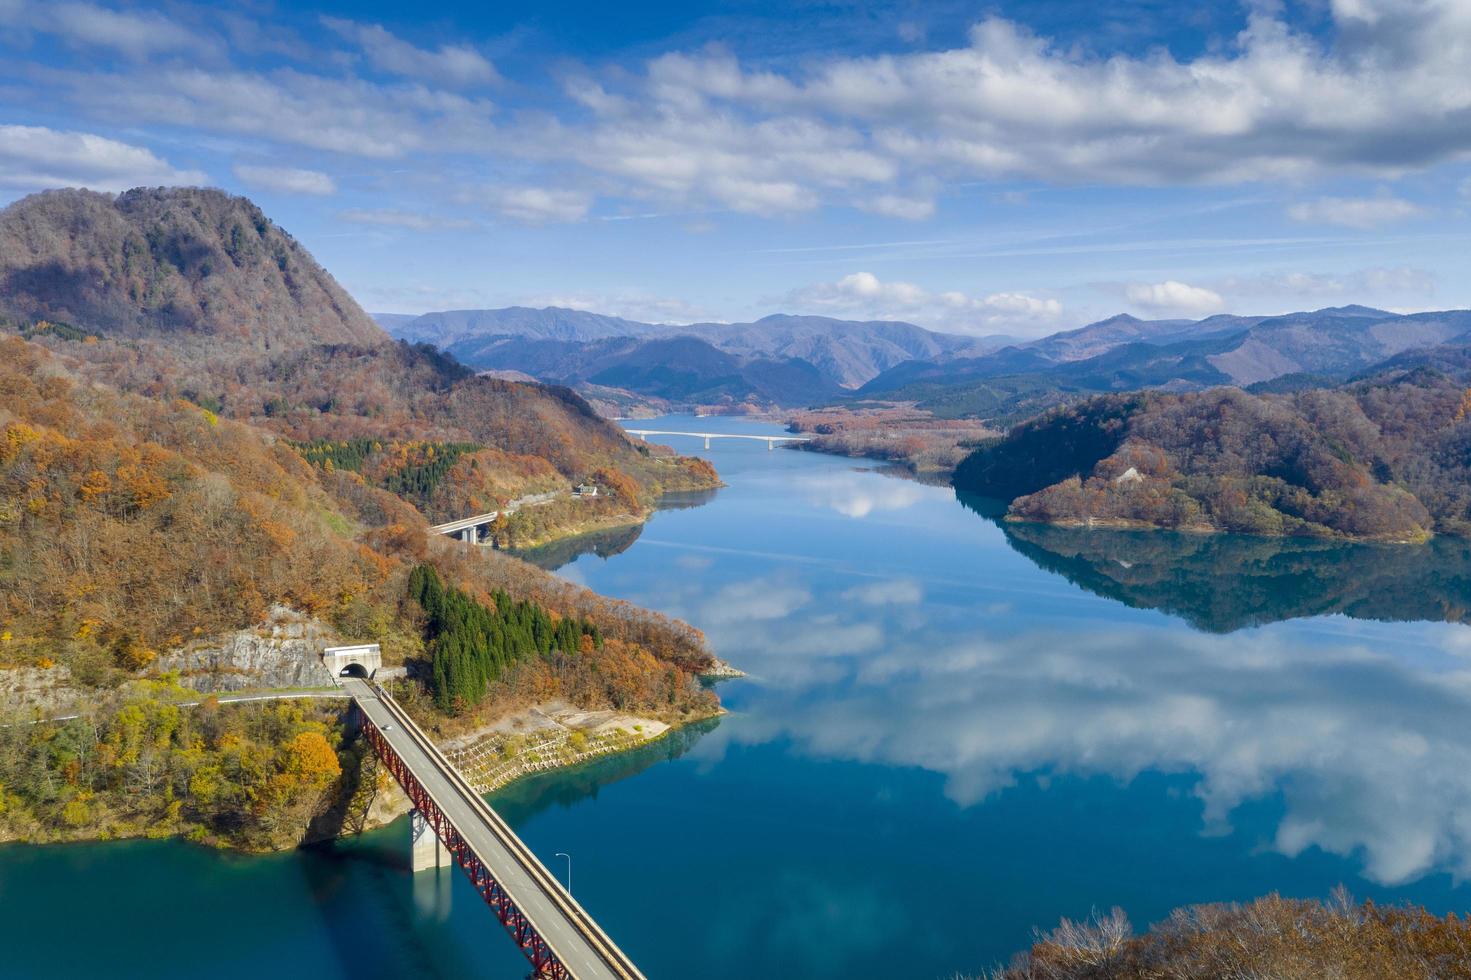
x: 557, y: 935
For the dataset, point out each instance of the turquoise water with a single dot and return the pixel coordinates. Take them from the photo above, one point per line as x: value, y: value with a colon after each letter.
x: 953, y: 730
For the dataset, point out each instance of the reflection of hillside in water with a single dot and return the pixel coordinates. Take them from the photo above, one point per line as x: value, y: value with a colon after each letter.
x: 613, y: 541
x: 1220, y: 583
x: 685, y: 499
x: 527, y: 797
x: 604, y: 544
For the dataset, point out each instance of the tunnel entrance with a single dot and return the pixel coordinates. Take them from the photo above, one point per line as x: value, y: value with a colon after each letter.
x: 360, y: 660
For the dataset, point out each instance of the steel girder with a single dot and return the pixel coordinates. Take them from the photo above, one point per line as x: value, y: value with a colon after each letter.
x: 544, y: 962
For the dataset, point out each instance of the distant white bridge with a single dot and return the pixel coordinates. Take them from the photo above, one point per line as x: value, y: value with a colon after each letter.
x: 770, y: 441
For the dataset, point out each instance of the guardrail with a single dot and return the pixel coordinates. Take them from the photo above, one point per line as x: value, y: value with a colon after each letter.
x: 525, y: 932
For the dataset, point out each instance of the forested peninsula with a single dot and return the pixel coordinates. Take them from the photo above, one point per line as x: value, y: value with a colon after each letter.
x: 1387, y: 459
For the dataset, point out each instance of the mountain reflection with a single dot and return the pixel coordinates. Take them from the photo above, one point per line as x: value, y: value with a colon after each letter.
x: 604, y: 544
x: 1220, y: 583
x: 610, y: 542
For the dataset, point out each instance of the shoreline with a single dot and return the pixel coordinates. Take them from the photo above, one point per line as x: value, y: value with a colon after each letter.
x: 1127, y: 524
x: 581, y: 530
x: 938, y: 475
x: 552, y: 736
x: 545, y: 737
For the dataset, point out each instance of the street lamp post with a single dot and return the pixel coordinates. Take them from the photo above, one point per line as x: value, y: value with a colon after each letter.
x: 569, y: 870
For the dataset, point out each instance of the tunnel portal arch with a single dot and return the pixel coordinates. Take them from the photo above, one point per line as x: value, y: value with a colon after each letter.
x: 360, y: 660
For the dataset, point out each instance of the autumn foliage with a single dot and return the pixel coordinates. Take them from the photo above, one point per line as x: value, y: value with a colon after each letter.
x: 254, y: 775
x: 1384, y: 459
x: 197, y: 424
x: 1291, y: 939
x: 130, y: 524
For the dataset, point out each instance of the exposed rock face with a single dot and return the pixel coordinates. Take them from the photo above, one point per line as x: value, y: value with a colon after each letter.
x: 44, y: 692
x: 285, y: 651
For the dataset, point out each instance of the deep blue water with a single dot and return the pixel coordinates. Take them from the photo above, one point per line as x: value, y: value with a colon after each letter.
x: 954, y: 730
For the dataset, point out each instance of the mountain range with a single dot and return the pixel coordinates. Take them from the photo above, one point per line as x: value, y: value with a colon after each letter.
x: 792, y: 361
x: 786, y: 360
x: 1304, y: 349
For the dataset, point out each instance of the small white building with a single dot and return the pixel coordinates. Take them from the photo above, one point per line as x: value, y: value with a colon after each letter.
x: 585, y: 490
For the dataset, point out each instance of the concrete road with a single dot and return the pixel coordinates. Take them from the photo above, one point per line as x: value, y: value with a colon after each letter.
x: 574, y: 938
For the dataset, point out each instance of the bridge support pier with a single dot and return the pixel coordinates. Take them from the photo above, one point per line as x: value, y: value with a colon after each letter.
x: 428, y: 851
x: 707, y: 442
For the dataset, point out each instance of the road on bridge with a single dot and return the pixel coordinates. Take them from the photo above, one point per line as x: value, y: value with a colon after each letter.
x: 576, y: 940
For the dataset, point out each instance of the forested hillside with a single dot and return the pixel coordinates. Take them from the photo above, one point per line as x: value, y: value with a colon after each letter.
x: 130, y: 526
x: 192, y: 437
x: 194, y: 294
x: 1385, y: 458
x: 182, y: 261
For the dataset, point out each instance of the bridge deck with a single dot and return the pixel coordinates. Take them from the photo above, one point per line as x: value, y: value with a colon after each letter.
x: 452, y: 526
x: 718, y: 435
x: 579, y: 944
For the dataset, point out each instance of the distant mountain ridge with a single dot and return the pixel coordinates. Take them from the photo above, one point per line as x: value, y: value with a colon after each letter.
x: 678, y: 369
x: 794, y: 361
x: 450, y: 328
x: 844, y: 352
x: 1320, y: 346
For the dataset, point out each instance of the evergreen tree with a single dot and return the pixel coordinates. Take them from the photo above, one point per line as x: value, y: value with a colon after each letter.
x: 472, y: 645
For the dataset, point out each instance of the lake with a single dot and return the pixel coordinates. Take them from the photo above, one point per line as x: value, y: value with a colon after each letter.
x: 954, y: 730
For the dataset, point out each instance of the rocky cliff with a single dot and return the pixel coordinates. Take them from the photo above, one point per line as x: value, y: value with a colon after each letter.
x: 283, y: 652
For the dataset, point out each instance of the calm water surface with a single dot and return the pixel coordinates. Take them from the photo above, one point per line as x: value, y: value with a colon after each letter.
x: 954, y: 730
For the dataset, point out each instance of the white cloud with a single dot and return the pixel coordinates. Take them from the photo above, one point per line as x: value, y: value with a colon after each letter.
x: 1355, y: 212
x: 1019, y: 306
x: 1174, y: 297
x: 34, y: 158
x: 287, y: 180
x: 881, y: 133
x: 395, y: 218
x: 1352, y: 286
x: 1273, y: 103
x: 449, y: 64
x: 862, y: 294
x: 898, y: 206
x: 137, y: 34
x: 539, y: 205
x: 346, y: 115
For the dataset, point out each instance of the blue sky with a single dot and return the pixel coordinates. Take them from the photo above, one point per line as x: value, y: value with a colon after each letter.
x: 983, y: 168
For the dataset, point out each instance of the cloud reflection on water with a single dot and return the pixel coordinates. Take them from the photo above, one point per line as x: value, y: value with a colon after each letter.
x: 1367, y: 747
x: 856, y: 494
